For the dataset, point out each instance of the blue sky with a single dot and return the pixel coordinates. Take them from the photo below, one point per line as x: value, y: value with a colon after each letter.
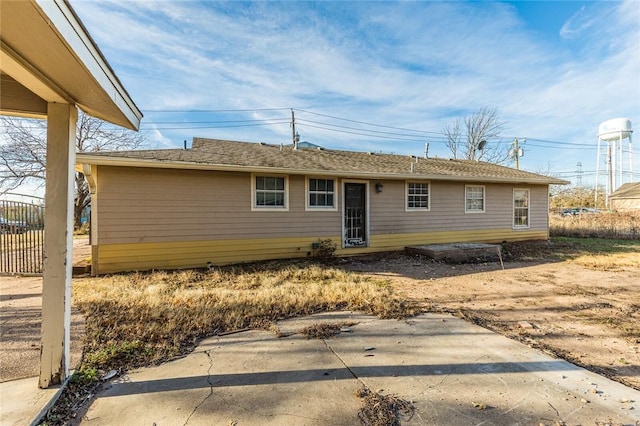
x: 233, y: 70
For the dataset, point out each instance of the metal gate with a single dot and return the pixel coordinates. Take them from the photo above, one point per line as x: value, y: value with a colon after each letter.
x: 21, y: 237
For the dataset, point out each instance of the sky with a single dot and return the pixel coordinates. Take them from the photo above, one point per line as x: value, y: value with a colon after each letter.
x: 378, y: 76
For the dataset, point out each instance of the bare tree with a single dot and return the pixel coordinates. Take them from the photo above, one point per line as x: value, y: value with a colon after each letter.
x: 23, y: 149
x: 483, y: 125
x: 575, y: 196
x: 454, y: 138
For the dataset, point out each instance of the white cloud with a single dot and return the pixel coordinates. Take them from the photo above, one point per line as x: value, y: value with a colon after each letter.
x: 407, y: 64
x: 580, y: 22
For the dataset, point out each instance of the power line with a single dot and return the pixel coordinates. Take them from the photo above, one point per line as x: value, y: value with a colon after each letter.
x: 365, y: 134
x: 557, y: 142
x: 413, y: 136
x: 212, y: 122
x: 355, y: 128
x: 565, y: 146
x: 215, y: 127
x: 368, y: 124
x: 214, y: 110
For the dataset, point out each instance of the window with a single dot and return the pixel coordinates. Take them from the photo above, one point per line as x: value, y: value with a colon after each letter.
x: 321, y: 193
x: 474, y: 199
x: 417, y: 196
x: 270, y: 192
x: 520, y: 208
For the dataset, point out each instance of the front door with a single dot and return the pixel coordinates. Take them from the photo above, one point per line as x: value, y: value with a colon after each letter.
x: 355, y: 215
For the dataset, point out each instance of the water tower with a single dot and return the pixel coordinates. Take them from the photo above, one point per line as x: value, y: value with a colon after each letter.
x: 618, y: 155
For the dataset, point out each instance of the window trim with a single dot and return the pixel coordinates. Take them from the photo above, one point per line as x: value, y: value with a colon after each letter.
x: 255, y: 207
x: 484, y: 199
x: 308, y: 207
x: 513, y: 209
x: 406, y: 196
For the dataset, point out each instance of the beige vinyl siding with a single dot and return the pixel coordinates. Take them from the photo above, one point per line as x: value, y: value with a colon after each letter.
x: 625, y: 204
x: 167, y: 218
x: 388, y: 214
x: 152, y: 205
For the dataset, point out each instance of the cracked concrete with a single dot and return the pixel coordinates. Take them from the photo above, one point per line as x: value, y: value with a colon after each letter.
x: 453, y: 372
x: 210, y: 388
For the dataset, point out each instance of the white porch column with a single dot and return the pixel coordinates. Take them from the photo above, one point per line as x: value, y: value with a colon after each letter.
x: 58, y: 244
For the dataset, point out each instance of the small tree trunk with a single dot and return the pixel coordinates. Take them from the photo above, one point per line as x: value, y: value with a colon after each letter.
x: 82, y: 200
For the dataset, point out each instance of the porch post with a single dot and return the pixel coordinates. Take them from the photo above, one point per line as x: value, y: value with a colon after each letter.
x: 58, y: 244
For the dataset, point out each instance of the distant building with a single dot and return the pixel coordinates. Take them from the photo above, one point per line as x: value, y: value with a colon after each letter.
x: 305, y: 144
x: 626, y: 198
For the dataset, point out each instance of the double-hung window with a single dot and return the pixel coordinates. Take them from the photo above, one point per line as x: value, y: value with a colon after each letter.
x: 270, y: 192
x: 474, y: 199
x: 417, y: 196
x: 321, y: 194
x: 520, y: 208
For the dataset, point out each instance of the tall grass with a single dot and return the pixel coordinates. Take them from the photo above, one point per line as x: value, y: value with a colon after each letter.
x: 603, y: 225
x: 142, y: 318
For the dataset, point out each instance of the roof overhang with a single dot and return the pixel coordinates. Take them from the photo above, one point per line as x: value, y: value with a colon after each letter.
x: 101, y: 160
x: 46, y: 55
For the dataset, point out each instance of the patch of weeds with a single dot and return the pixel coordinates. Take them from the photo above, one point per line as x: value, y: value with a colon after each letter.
x: 120, y: 353
x: 383, y: 283
x: 324, y: 330
x: 80, y: 389
x: 382, y: 410
x: 326, y: 251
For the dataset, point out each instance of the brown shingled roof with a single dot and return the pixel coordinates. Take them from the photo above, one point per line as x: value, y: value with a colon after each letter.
x: 628, y: 190
x: 214, y: 154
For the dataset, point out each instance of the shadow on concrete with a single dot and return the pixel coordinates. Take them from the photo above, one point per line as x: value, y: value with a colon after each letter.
x: 5, y: 297
x: 297, y: 376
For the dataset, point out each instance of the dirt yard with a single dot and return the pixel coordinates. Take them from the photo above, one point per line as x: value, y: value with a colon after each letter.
x: 21, y: 318
x: 576, y: 309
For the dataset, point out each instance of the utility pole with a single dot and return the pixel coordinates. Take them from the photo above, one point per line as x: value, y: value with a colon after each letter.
x: 517, y: 152
x: 579, y: 173
x: 294, y: 135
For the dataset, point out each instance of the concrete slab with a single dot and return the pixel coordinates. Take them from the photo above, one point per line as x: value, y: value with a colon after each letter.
x: 22, y: 402
x: 458, y: 252
x: 453, y: 372
x: 451, y: 369
x: 249, y: 378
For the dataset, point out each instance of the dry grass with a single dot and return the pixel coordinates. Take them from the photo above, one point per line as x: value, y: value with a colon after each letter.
x: 144, y: 318
x: 599, y: 253
x: 30, y: 239
x: 609, y: 262
x: 604, y: 225
x: 325, y: 330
